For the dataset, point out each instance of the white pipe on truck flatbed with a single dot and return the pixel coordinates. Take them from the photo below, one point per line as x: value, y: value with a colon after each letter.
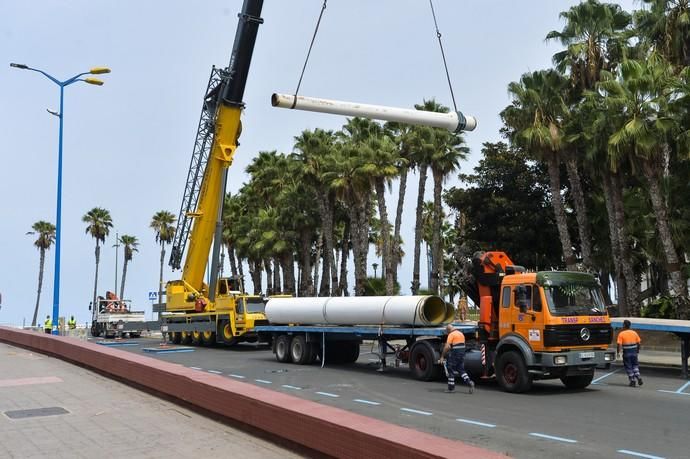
x: 453, y: 121
x: 363, y: 310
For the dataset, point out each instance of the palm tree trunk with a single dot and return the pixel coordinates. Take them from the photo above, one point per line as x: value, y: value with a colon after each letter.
x: 95, y: 281
x: 631, y: 286
x: 317, y: 260
x: 614, y: 239
x: 233, y: 261
x: 344, y: 251
x: 40, y: 284
x: 326, y: 208
x: 359, y: 227
x: 395, y: 244
x: 678, y: 282
x: 553, y: 164
x: 436, y: 254
x: 124, y: 276
x: 269, y: 276
x: 418, y: 229
x: 160, y: 278
x: 305, y: 253
x: 255, y: 274
x: 385, y: 235
x: 277, y: 287
x: 288, y: 267
x: 580, y: 212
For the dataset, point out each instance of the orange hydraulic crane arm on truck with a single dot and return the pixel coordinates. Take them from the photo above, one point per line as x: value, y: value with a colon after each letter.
x: 219, y: 130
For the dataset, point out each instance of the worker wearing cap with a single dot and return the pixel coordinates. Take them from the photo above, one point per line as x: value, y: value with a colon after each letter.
x: 72, y: 323
x: 48, y: 325
x: 629, y: 341
x: 455, y: 350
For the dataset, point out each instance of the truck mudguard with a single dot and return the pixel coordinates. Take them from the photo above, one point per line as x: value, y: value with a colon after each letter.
x: 515, y: 340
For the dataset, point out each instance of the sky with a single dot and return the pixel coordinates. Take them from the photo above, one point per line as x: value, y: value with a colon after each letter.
x: 127, y: 144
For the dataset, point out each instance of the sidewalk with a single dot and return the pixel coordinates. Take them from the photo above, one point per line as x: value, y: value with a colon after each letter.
x: 104, y: 418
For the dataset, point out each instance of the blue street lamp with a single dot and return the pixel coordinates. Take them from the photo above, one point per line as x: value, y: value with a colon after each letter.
x: 60, y: 114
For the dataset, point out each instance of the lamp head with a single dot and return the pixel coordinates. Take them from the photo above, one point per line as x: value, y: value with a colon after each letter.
x: 99, y: 70
x: 19, y: 66
x: 95, y: 81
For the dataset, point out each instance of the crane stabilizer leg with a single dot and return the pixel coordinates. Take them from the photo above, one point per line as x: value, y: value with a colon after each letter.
x: 452, y: 121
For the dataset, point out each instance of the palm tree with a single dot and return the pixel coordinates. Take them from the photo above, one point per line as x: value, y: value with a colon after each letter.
x: 98, y: 224
x: 131, y: 245
x: 45, y: 239
x: 643, y: 127
x: 666, y: 27
x: 162, y: 223
x: 536, y: 116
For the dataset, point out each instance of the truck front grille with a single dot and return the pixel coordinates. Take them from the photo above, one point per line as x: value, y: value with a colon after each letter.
x: 571, y: 335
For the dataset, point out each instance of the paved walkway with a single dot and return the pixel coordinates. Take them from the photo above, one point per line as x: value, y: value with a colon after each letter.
x: 103, y: 418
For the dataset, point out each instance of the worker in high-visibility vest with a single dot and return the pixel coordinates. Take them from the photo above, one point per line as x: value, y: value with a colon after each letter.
x: 72, y: 323
x: 629, y: 341
x: 48, y: 325
x: 455, y: 350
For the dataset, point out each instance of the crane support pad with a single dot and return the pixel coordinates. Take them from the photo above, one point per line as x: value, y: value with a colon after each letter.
x: 294, y: 420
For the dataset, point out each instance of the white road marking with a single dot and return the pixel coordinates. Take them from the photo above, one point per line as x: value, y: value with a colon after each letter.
x: 680, y: 391
x: 410, y: 410
x: 550, y: 437
x: 366, y: 402
x: 596, y: 381
x: 673, y: 392
x: 236, y: 376
x: 215, y: 372
x: 635, y: 453
x: 263, y: 381
x: 287, y: 386
x: 196, y: 368
x: 476, y: 423
x: 328, y: 394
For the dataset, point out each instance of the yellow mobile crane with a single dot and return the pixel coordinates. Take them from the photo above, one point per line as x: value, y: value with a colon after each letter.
x: 193, y: 312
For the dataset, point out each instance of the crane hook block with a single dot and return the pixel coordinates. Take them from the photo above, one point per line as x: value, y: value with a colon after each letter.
x: 453, y: 121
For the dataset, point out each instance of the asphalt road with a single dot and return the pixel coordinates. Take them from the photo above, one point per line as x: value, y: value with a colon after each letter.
x: 608, y: 419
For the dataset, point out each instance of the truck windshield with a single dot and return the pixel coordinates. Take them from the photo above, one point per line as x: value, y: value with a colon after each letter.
x: 254, y: 305
x: 572, y: 294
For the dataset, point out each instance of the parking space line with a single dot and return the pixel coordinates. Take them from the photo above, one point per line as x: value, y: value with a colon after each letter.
x: 551, y: 437
x: 196, y: 368
x: 410, y: 410
x: 366, y: 402
x: 263, y: 381
x: 328, y: 394
x: 680, y: 391
x: 596, y: 381
x: 675, y: 392
x: 215, y: 372
x: 635, y: 453
x: 236, y: 376
x: 476, y: 423
x: 287, y: 386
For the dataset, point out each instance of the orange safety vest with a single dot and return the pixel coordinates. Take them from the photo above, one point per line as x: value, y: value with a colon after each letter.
x: 628, y: 339
x: 456, y: 339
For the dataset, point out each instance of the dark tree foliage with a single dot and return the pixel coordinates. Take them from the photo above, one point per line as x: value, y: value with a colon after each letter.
x: 506, y: 207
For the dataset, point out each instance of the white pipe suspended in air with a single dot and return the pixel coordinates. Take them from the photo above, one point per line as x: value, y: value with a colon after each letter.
x: 453, y: 121
x: 363, y: 310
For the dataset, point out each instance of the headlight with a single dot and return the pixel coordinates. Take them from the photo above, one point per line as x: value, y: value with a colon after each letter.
x: 609, y: 357
x: 560, y: 360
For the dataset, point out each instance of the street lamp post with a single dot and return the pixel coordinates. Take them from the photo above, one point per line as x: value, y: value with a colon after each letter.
x: 58, y: 226
x: 375, y: 266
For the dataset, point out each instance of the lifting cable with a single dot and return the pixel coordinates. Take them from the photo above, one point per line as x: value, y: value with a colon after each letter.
x: 316, y: 30
x: 443, y: 54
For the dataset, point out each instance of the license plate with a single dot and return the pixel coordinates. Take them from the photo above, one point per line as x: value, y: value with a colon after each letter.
x: 586, y: 355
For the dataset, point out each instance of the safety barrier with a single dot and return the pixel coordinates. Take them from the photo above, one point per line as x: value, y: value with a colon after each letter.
x: 340, y: 433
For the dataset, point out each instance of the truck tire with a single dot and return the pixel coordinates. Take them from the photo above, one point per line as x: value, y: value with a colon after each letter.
x: 423, y: 362
x: 185, y: 338
x: 511, y: 372
x: 577, y: 382
x: 196, y: 338
x: 208, y: 338
x: 300, y: 350
x: 135, y: 334
x: 283, y: 348
x: 225, y: 333
x: 314, y: 349
x: 176, y: 337
x: 348, y: 351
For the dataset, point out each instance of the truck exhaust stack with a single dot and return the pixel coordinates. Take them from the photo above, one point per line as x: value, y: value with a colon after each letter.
x: 453, y: 121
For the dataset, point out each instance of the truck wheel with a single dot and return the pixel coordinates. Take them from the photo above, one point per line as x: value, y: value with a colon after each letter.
x: 300, y: 351
x: 95, y: 332
x: 349, y: 351
x: 225, y: 332
x: 185, y: 337
x: 283, y: 348
x: 511, y: 372
x: 314, y: 348
x: 208, y: 338
x: 423, y: 362
x: 196, y: 338
x: 577, y: 382
x: 135, y: 335
x: 176, y: 337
